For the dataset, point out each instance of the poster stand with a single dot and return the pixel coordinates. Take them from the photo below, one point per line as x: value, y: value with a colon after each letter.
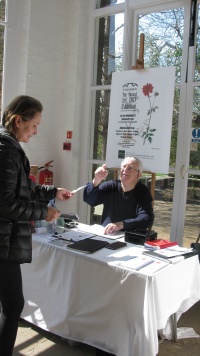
x: 140, y: 60
x: 140, y: 65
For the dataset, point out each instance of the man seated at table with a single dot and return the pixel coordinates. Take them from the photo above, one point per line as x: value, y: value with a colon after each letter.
x: 127, y: 202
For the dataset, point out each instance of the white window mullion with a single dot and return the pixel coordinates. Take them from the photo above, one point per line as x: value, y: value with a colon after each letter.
x: 183, y: 142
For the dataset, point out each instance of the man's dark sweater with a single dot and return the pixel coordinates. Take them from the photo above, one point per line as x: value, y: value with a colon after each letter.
x: 134, y: 208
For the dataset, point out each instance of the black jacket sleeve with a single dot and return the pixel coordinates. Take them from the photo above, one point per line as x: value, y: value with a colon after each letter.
x: 16, y: 194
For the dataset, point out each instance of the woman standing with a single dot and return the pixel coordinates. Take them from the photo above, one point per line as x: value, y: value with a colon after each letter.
x: 20, y: 203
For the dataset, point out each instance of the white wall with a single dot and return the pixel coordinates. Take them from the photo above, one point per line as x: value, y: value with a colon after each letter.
x: 56, y: 51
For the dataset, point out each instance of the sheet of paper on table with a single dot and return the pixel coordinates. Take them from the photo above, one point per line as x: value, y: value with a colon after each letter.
x: 172, y: 252
x: 170, y: 255
x: 74, y: 235
x: 145, y: 264
x: 58, y: 243
x: 98, y: 230
x: 155, y: 267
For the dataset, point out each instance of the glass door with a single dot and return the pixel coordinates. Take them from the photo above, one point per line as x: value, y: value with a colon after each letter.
x: 168, y: 30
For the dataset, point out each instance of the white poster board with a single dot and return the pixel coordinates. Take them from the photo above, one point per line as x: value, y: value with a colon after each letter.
x: 140, y: 117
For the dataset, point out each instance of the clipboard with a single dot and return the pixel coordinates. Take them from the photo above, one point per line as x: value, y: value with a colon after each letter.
x: 88, y: 245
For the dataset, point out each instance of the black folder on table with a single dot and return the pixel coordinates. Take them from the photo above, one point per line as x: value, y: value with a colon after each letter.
x: 88, y: 245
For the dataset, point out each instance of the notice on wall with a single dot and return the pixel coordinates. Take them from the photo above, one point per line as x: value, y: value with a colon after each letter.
x: 140, y: 117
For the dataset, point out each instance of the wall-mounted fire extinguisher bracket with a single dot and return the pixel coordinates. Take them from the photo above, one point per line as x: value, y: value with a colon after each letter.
x: 45, y: 175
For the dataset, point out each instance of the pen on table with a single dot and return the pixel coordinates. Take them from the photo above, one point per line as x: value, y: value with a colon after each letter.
x: 60, y: 237
x: 145, y: 265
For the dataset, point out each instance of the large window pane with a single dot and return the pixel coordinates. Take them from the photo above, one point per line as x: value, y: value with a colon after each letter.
x: 195, y: 131
x: 163, y: 39
x: 163, y: 200
x: 191, y: 228
x: 163, y: 47
x: 102, y: 103
x: 2, y: 10
x: 174, y: 132
x: 197, y: 67
x: 110, y: 46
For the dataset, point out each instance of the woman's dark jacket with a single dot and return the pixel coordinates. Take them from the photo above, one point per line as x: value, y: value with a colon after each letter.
x: 20, y: 201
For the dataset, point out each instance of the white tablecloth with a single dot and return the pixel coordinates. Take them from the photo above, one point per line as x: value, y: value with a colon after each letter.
x: 81, y: 297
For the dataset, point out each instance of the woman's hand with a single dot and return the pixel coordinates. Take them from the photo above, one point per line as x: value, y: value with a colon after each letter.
x: 63, y: 194
x: 52, y: 214
x: 110, y: 228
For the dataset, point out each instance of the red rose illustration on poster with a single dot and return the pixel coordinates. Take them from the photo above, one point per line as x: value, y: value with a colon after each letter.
x: 147, y: 131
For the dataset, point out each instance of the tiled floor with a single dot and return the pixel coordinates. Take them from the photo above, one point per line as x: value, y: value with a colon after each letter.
x: 34, y: 341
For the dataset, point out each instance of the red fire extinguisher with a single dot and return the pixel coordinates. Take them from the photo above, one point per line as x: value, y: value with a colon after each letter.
x: 33, y: 173
x: 46, y: 176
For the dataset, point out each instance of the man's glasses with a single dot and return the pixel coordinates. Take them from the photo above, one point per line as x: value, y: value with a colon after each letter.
x: 129, y: 168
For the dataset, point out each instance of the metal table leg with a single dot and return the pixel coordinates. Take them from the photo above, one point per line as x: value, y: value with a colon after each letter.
x: 174, y: 327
